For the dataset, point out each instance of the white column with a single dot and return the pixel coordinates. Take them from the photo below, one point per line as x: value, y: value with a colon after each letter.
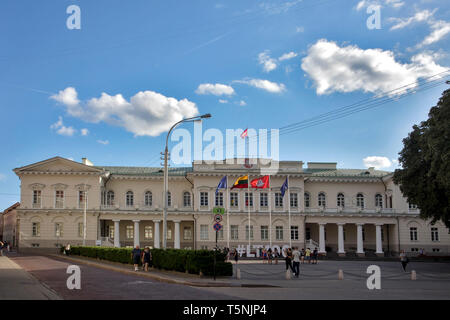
x: 136, y: 233
x: 379, y: 242
x: 360, y: 245
x: 116, y: 234
x: 177, y: 234
x: 322, y: 238
x: 156, y: 234
x: 341, y: 238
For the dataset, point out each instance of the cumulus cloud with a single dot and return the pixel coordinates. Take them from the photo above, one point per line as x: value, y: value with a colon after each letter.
x: 147, y: 113
x: 104, y: 142
x: 215, y: 89
x: 266, y: 85
x: 62, y: 129
x: 267, y: 62
x: 377, y: 162
x: 346, y: 69
x: 84, y: 132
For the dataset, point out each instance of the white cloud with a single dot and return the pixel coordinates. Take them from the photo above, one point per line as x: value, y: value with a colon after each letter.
x: 268, y: 63
x: 62, y: 129
x: 105, y: 142
x: 389, y: 3
x: 147, y: 113
x: 264, y: 85
x: 440, y: 30
x: 223, y: 101
x: 288, y: 56
x: 361, y: 5
x: 242, y: 103
x: 215, y: 89
x: 377, y: 162
x: 299, y: 29
x: 84, y: 132
x: 420, y: 16
x: 347, y: 69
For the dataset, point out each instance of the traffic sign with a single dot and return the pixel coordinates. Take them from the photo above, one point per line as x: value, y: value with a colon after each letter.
x: 218, y: 218
x: 217, y: 226
x: 218, y: 210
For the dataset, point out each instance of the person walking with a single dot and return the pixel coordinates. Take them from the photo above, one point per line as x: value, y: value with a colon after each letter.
x: 264, y: 255
x: 288, y: 259
x: 136, y: 256
x: 404, y: 260
x: 236, y: 258
x: 276, y: 255
x: 296, y: 257
x: 302, y: 256
x: 315, y: 255
x: 146, y: 258
x: 269, y: 256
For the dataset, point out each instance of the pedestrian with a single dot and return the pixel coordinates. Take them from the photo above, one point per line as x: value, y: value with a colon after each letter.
x: 308, y: 255
x: 236, y: 258
x: 404, y: 260
x: 288, y: 259
x: 296, y: 257
x: 269, y: 255
x: 315, y: 255
x: 146, y: 258
x: 136, y: 256
x: 276, y: 255
x: 1, y: 248
x: 67, y: 249
x: 264, y: 255
x: 302, y: 256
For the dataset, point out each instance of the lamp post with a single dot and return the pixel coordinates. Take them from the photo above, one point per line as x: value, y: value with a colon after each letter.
x: 166, y: 172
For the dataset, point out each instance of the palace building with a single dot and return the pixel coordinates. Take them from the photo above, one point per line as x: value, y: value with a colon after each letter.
x: 339, y: 211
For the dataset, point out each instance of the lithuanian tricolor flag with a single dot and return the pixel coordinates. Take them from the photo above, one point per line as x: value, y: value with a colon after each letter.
x: 241, y: 182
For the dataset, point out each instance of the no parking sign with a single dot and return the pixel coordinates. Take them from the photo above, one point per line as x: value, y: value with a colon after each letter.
x: 217, y: 226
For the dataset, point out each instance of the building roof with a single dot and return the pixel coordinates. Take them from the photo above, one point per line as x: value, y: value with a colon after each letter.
x: 14, y: 206
x: 347, y: 173
x: 144, y: 171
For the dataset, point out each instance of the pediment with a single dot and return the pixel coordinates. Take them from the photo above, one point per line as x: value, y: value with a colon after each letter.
x: 57, y: 165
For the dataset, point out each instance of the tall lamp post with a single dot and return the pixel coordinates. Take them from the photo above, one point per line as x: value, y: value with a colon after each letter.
x: 166, y: 172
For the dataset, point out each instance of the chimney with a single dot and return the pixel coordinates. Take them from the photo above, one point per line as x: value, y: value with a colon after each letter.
x: 86, y: 162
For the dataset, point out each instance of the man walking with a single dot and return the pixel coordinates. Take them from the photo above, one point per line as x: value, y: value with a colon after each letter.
x: 296, y: 256
x: 136, y: 256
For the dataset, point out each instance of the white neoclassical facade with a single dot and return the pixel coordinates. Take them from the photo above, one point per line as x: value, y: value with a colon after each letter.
x: 339, y: 211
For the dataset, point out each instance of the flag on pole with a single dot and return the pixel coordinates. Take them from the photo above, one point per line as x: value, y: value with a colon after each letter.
x: 284, y: 187
x: 244, y: 134
x: 241, y: 182
x: 222, y: 184
x: 260, y: 183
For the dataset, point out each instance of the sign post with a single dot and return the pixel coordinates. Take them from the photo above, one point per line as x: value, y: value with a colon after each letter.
x: 218, y: 212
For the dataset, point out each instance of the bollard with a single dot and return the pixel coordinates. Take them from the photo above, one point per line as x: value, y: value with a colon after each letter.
x: 413, y: 275
x: 238, y: 274
x: 341, y: 274
x: 288, y: 274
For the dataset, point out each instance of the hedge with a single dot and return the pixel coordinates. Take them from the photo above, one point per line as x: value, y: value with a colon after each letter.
x: 181, y: 260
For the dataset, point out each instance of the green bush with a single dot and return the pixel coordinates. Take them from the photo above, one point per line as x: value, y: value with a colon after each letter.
x: 181, y: 260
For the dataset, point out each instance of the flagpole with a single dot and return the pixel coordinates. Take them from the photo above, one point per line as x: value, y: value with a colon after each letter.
x: 248, y: 206
x: 270, y: 216
x: 228, y: 216
x: 289, y: 212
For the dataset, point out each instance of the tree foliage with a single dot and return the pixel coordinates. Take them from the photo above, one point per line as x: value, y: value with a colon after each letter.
x: 425, y: 159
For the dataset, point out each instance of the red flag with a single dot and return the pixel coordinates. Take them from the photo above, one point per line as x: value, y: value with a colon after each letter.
x: 244, y: 134
x: 260, y: 183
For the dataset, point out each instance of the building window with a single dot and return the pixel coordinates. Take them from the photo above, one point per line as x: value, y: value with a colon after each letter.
x: 435, y: 249
x: 434, y: 234
x: 234, y: 199
x: 204, y: 199
x: 148, y: 232
x: 110, y: 198
x: 360, y: 200
x: 308, y: 233
x: 234, y: 230
x: 169, y: 199
x: 36, y: 232
x: 58, y: 229
x: 307, y: 200
x: 130, y: 232
x: 59, y: 199
x: 414, y: 249
x: 148, y: 199
x: 413, y: 233
x: 204, y: 232
x: 82, y: 199
x: 278, y: 199
x: 186, y: 199
x: 249, y: 199
x: 111, y: 232
x: 340, y: 200
x: 219, y: 199
x: 412, y: 206
x: 37, y: 197
x: 294, y: 232
x: 293, y: 200
x: 80, y: 230
x: 246, y: 232
x: 130, y: 199
x: 169, y: 233
x: 264, y: 232
x: 263, y: 199
x: 220, y: 234
x: 322, y: 200
x: 187, y: 233
x: 378, y: 200
x: 279, y: 233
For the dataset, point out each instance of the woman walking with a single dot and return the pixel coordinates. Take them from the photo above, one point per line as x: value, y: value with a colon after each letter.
x: 404, y: 260
x: 136, y: 256
x: 147, y: 256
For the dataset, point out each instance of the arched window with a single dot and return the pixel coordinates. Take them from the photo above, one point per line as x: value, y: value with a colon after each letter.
x: 340, y: 200
x: 307, y: 200
x: 110, y: 198
x: 378, y: 200
x: 130, y: 199
x: 148, y: 199
x: 187, y: 199
x: 322, y: 200
x: 360, y: 200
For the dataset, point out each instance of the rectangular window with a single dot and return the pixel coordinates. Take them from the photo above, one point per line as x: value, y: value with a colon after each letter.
x: 249, y: 199
x: 204, y: 232
x: 204, y: 199
x: 37, y: 196
x: 187, y: 233
x: 294, y: 232
x: 279, y: 232
x: 264, y: 232
x: 246, y: 232
x: 82, y: 198
x: 148, y: 232
x: 219, y: 199
x: 263, y: 199
x: 308, y: 233
x: 58, y: 229
x: 278, y: 200
x: 294, y: 200
x: 59, y: 199
x: 434, y: 234
x: 36, y: 229
x: 169, y: 233
x: 220, y: 234
x: 130, y: 232
x: 307, y: 200
x: 80, y: 230
x: 413, y: 233
x: 234, y: 199
x: 234, y: 230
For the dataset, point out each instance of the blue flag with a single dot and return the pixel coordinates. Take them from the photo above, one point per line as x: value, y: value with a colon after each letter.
x: 222, y: 184
x: 284, y: 187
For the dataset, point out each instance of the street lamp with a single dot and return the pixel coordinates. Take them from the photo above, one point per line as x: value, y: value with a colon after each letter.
x: 166, y: 172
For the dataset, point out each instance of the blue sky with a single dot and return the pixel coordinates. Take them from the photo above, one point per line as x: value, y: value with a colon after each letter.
x: 285, y: 61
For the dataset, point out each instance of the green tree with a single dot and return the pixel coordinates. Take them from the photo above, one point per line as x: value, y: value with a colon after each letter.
x: 425, y: 159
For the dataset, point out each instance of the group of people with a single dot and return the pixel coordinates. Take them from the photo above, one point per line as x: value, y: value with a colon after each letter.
x: 268, y: 255
x: 293, y: 258
x: 4, y: 245
x: 141, y: 256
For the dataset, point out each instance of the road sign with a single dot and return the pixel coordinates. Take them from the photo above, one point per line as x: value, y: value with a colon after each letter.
x: 217, y: 226
x: 218, y: 218
x: 218, y: 210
